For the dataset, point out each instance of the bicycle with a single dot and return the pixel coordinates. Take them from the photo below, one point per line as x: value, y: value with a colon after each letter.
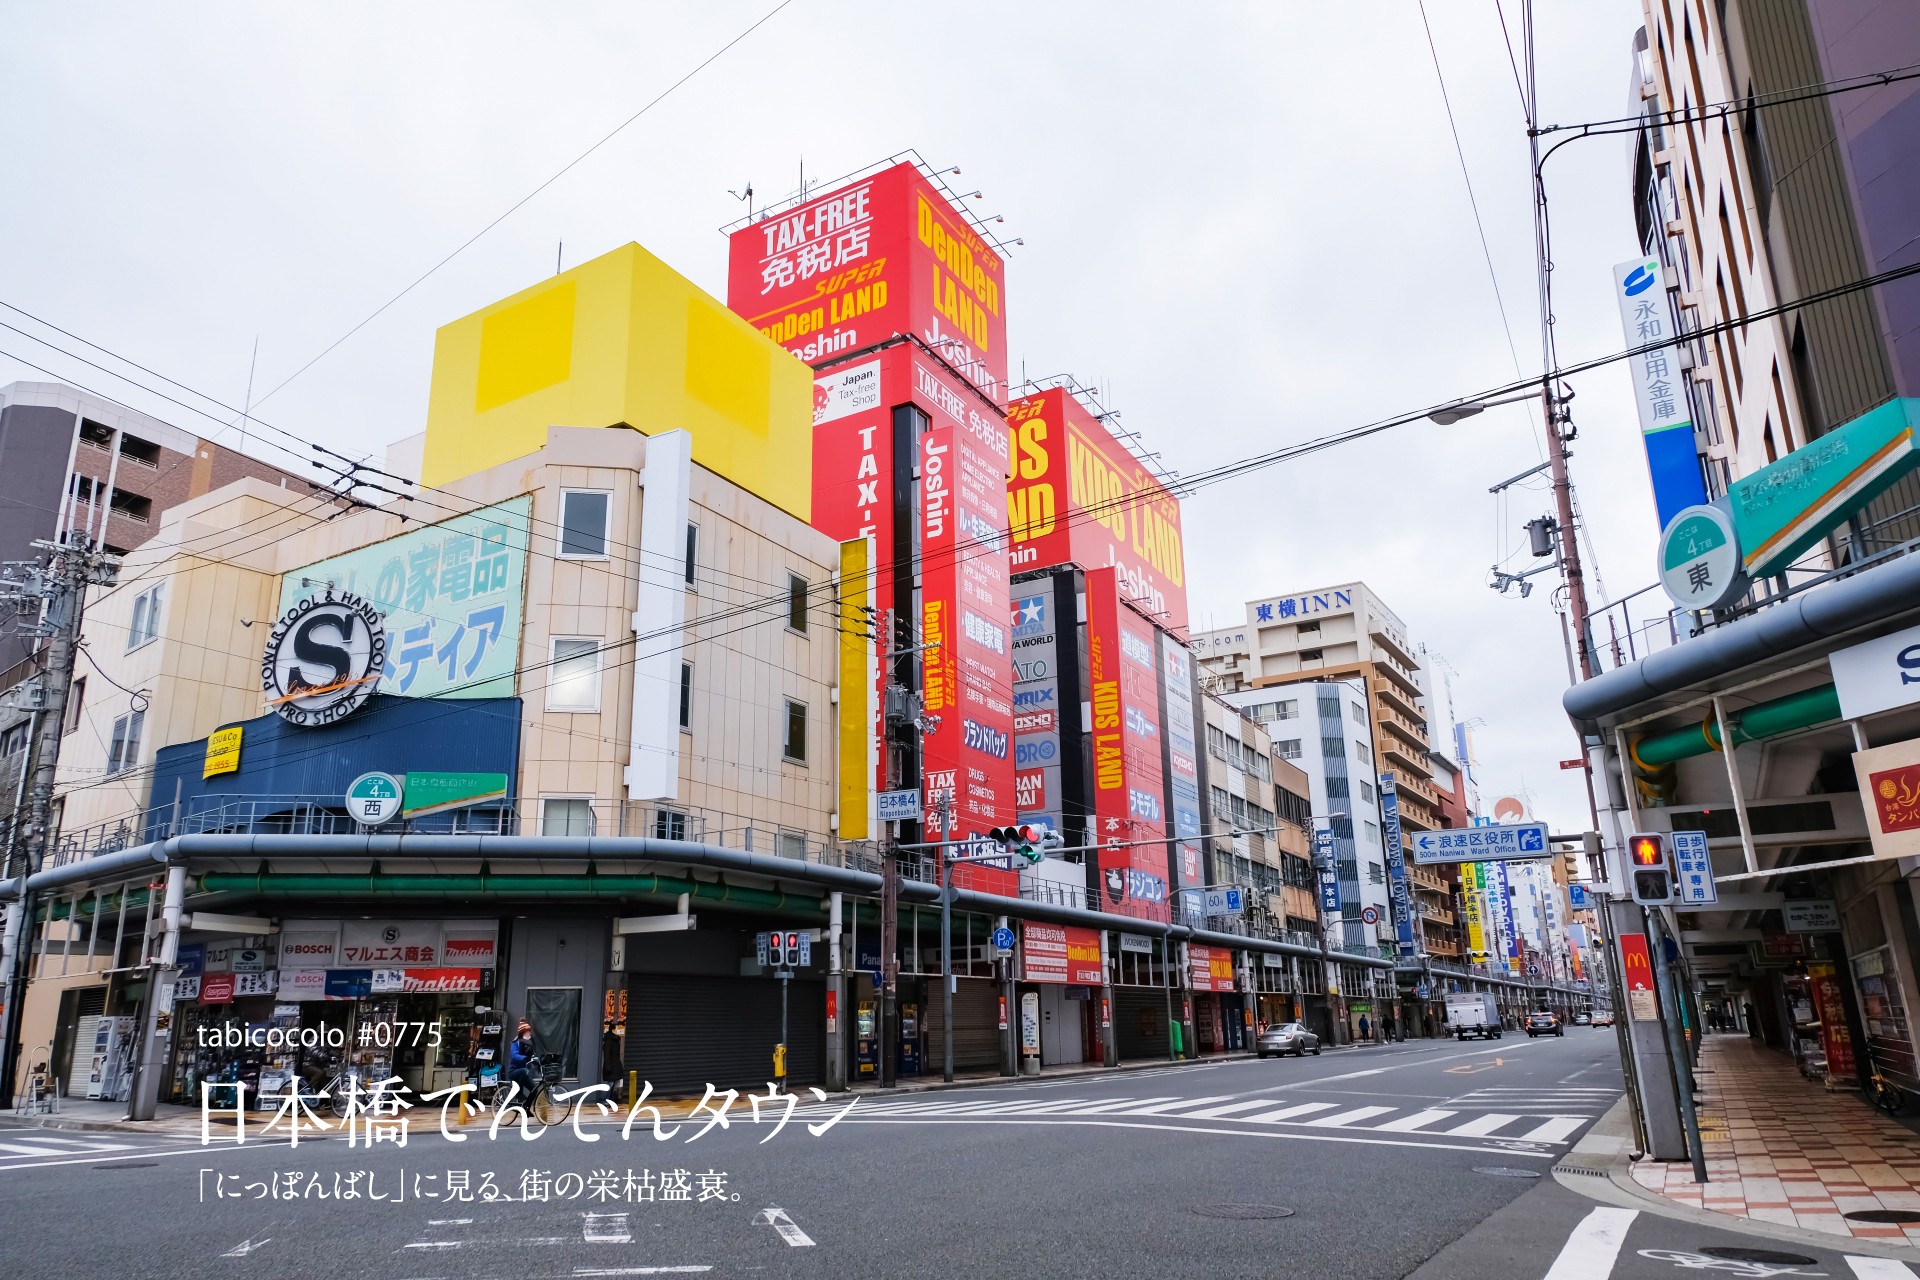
x: 1882, y: 1092
x: 542, y: 1105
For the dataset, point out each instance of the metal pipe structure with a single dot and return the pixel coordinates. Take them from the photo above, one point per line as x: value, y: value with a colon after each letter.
x: 1770, y: 719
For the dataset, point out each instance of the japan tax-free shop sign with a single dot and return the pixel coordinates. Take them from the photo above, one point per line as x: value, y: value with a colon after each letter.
x: 451, y: 595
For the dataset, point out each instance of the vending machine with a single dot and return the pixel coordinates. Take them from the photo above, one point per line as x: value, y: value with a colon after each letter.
x: 866, y: 1040
x: 909, y: 1039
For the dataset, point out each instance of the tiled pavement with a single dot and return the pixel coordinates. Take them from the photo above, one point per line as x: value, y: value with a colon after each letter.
x: 1782, y: 1149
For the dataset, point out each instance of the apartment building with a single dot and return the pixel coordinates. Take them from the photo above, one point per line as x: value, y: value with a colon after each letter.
x: 1758, y: 207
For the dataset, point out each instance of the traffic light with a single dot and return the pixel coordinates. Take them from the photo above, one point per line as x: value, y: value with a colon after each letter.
x: 1651, y: 867
x: 777, y: 949
x: 1021, y: 842
x: 793, y: 951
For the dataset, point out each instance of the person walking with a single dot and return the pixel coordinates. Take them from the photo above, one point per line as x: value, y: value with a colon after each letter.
x: 1366, y: 1028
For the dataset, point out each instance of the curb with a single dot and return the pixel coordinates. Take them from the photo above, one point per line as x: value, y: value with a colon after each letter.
x: 1603, y: 1170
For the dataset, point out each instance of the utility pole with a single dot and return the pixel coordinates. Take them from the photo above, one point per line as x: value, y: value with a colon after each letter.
x: 890, y: 864
x: 56, y: 591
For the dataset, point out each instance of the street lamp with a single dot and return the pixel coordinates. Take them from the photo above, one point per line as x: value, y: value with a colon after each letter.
x: 1450, y: 414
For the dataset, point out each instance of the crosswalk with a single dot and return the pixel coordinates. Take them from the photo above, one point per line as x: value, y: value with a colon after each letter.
x: 1481, y: 1115
x: 1559, y: 1098
x: 25, y: 1146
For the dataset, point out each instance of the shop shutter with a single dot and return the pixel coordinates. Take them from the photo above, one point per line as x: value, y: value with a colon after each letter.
x: 976, y: 1020
x: 1142, y: 1021
x: 685, y: 1032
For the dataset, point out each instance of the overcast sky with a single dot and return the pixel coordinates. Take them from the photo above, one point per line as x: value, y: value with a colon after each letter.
x: 1247, y: 226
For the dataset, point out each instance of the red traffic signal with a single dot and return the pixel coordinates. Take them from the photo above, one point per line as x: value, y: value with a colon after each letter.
x: 1647, y: 850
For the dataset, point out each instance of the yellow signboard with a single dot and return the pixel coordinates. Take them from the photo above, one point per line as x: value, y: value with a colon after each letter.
x: 621, y: 341
x: 858, y: 678
x: 223, y: 751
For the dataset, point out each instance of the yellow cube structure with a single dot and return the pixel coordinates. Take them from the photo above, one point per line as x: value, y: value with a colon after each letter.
x: 621, y: 341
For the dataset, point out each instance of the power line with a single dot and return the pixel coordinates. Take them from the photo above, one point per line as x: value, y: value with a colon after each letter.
x: 1460, y: 151
x: 515, y: 207
x: 1715, y: 110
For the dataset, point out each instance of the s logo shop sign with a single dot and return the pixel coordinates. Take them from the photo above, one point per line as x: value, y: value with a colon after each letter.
x: 324, y: 658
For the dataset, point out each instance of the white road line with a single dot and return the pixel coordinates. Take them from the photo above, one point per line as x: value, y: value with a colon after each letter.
x: 778, y: 1219
x: 1212, y: 1112
x: 1349, y: 1117
x: 1097, y: 1107
x: 85, y: 1144
x: 246, y: 1247
x: 1418, y: 1120
x: 1557, y: 1129
x: 605, y: 1228
x: 1483, y: 1126
x: 637, y: 1271
x: 1594, y: 1246
x: 22, y: 1149
x: 1275, y: 1133
x: 1158, y: 1108
x: 1285, y: 1113
x: 436, y: 1244
x: 449, y: 1222
x: 1878, y: 1268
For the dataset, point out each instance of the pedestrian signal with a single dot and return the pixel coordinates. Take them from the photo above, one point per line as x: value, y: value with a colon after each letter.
x: 1651, y: 867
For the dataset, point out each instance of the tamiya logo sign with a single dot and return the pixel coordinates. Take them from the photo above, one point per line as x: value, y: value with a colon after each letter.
x: 987, y: 741
x: 1029, y: 617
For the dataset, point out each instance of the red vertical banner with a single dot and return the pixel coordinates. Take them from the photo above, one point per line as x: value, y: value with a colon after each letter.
x: 1129, y: 816
x: 1829, y: 1005
x: 968, y: 666
x: 1636, y: 974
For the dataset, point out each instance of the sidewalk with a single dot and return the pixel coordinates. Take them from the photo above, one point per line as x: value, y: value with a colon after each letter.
x: 1783, y: 1149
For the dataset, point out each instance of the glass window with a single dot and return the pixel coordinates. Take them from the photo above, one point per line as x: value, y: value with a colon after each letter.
x: 1372, y: 831
x: 1366, y: 792
x: 795, y: 749
x: 575, y: 681
x: 76, y: 699
x: 566, y: 816
x: 146, y: 616
x: 693, y: 548
x: 797, y: 603
x: 1375, y: 875
x: 1287, y: 748
x: 686, y: 695
x: 583, y: 523
x: 669, y: 824
x: 790, y: 844
x: 125, y: 746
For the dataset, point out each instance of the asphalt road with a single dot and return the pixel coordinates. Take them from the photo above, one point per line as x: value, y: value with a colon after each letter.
x: 1381, y: 1154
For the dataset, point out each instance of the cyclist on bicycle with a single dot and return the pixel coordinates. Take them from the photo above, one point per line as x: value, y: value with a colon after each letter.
x: 520, y: 1057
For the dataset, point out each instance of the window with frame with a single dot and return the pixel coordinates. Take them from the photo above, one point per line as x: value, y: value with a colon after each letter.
x: 566, y: 816
x: 693, y: 550
x: 123, y: 748
x: 790, y: 844
x: 14, y: 741
x: 574, y: 684
x: 797, y: 603
x: 686, y: 696
x: 669, y: 824
x: 1287, y: 748
x: 794, y: 749
x: 1216, y: 743
x: 76, y: 701
x: 146, y: 616
x: 1366, y: 792
x: 1310, y: 656
x: 583, y: 523
x: 1372, y: 831
x: 1375, y: 875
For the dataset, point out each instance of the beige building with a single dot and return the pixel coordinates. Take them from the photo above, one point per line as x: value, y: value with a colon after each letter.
x: 728, y: 723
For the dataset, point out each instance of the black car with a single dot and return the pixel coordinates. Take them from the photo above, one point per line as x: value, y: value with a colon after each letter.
x: 1544, y: 1024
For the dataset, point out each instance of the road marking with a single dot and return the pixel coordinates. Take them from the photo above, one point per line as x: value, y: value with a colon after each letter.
x: 1160, y: 1107
x: 1878, y: 1268
x: 449, y: 1222
x: 1594, y: 1246
x: 1473, y: 1068
x: 637, y: 1271
x: 1289, y: 1135
x: 1557, y: 1129
x: 436, y: 1244
x: 778, y: 1219
x: 246, y: 1247
x: 1096, y: 1107
x: 1485, y: 1125
x: 605, y: 1228
x: 1302, y: 1109
x: 1213, y: 1112
x: 1350, y: 1117
x: 1418, y: 1120
x: 22, y: 1149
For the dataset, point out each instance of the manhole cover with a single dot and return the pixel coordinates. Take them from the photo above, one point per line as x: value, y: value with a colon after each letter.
x: 1498, y: 1172
x: 1739, y: 1253
x: 1895, y: 1216
x: 143, y: 1164
x: 1242, y: 1211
